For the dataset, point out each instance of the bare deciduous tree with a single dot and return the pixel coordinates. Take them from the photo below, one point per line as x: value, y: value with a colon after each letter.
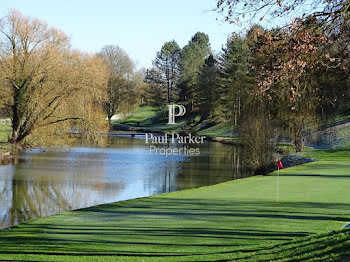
x: 331, y: 13
x: 43, y: 83
x: 120, y: 68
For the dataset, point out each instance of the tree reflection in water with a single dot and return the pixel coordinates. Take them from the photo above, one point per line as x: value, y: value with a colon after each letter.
x: 41, y: 184
x: 44, y: 183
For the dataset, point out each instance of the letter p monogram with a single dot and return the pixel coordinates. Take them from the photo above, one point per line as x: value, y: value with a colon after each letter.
x: 172, y: 115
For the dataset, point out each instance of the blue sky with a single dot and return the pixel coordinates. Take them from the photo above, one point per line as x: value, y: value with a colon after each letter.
x: 140, y: 27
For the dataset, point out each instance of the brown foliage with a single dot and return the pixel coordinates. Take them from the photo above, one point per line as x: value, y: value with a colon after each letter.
x: 288, y: 64
x: 330, y: 13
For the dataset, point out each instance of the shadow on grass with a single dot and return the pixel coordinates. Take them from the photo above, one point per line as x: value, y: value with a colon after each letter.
x: 160, y: 227
x: 322, y: 176
x: 199, y: 207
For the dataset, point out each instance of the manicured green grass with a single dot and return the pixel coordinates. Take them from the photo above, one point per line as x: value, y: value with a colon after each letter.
x: 342, y: 118
x: 5, y: 132
x: 156, y: 119
x: 148, y: 118
x: 290, y: 148
x: 342, y: 138
x: 224, y: 129
x: 238, y: 220
x: 335, y: 138
x: 142, y: 115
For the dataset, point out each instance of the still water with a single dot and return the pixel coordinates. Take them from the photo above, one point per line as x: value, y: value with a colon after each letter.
x: 40, y: 183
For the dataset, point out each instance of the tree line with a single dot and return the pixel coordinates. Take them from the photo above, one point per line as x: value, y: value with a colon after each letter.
x: 272, y: 84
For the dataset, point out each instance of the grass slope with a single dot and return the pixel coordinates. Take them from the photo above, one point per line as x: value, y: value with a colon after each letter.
x: 150, y: 118
x: 156, y: 119
x: 5, y: 132
x: 238, y: 220
x: 143, y: 115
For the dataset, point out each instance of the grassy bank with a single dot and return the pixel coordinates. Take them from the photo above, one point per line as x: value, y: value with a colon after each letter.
x: 238, y: 220
x: 334, y: 133
x: 5, y: 132
x: 156, y: 119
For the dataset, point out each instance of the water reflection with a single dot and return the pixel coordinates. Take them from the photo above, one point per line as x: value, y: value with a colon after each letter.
x: 43, y: 183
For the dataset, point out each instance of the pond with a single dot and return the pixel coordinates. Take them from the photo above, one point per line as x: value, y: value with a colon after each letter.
x: 40, y: 183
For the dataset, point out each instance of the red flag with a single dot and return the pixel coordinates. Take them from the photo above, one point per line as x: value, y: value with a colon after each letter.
x: 280, y: 164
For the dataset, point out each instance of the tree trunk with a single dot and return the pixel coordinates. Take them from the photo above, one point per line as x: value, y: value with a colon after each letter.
x: 110, y: 122
x: 14, y: 137
x: 299, y: 144
x: 15, y: 119
x: 168, y: 87
x: 15, y: 127
x: 18, y: 131
x: 298, y: 137
x: 17, y: 138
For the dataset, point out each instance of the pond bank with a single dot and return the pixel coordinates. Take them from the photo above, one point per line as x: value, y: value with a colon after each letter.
x: 234, y: 220
x: 123, y: 129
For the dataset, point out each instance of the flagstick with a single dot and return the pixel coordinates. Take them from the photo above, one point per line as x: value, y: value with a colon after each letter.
x: 278, y: 182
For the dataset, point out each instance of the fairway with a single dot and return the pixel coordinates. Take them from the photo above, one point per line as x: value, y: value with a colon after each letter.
x: 238, y: 219
x: 180, y: 130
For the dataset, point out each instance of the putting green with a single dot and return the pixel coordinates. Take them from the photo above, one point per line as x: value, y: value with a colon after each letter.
x: 238, y: 220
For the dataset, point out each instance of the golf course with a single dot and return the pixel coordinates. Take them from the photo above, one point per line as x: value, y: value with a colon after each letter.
x: 214, y: 130
x: 238, y: 220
